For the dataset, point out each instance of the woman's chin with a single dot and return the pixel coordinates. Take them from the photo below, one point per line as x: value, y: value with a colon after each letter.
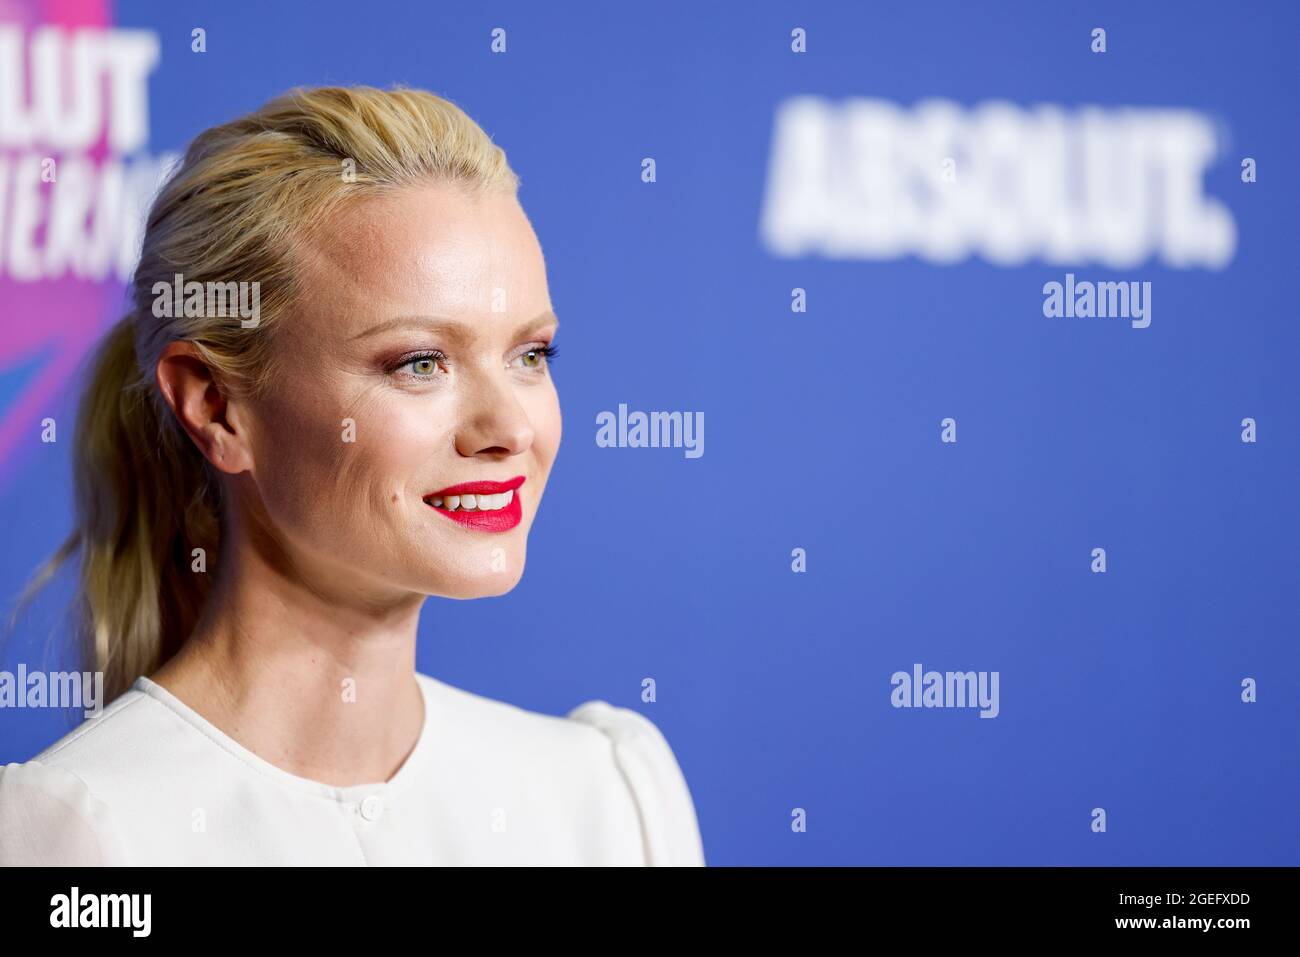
x: 481, y: 586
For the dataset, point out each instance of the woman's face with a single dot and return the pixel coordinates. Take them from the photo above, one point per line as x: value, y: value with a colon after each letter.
x: 413, y: 363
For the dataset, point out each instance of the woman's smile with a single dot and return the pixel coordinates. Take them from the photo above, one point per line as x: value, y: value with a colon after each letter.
x: 485, y: 506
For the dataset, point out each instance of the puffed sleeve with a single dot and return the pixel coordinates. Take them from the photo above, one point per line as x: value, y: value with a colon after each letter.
x: 668, y: 821
x: 49, y: 818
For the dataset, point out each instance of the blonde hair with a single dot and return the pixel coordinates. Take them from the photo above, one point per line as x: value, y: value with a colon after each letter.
x: 243, y: 196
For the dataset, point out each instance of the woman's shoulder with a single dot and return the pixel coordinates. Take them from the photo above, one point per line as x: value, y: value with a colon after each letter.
x: 60, y: 806
x: 650, y: 768
x: 127, y: 735
x: 49, y: 814
x: 50, y: 817
x: 614, y: 750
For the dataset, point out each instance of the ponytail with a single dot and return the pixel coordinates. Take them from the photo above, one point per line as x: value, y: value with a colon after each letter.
x: 144, y: 501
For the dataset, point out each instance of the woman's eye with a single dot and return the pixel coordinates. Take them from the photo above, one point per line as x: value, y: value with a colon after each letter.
x: 538, y: 358
x: 422, y: 366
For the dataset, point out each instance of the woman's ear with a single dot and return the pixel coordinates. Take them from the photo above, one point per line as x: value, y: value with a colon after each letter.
x: 206, y: 414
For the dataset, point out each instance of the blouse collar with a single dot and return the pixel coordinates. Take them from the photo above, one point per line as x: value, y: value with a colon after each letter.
x: 344, y: 795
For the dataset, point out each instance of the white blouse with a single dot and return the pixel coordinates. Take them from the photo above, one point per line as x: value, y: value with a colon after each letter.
x: 150, y: 782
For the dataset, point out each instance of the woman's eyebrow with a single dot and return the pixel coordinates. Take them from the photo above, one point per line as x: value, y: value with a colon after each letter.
x: 454, y: 327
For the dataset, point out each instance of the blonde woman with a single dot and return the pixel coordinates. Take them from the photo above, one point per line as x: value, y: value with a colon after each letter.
x: 374, y: 424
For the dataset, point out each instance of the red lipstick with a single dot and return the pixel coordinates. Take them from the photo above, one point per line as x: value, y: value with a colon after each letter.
x: 495, y: 520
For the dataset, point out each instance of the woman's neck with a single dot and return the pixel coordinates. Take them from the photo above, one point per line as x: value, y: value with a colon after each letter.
x: 314, y: 678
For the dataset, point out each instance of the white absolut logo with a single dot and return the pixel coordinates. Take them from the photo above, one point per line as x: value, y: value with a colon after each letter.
x: 868, y: 179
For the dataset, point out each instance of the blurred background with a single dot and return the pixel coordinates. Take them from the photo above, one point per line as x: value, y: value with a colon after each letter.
x: 920, y: 171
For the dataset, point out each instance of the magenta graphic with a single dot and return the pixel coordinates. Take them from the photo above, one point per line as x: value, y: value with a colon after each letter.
x: 65, y: 197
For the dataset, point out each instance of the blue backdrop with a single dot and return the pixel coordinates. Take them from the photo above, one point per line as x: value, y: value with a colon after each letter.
x: 1119, y: 690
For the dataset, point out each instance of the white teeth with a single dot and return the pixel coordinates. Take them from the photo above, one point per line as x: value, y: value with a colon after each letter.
x: 480, y: 503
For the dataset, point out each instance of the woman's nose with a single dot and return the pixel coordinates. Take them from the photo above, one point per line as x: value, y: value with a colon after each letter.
x: 493, y: 421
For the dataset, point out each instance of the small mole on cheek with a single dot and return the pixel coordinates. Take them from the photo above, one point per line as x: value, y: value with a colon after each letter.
x: 394, y: 498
